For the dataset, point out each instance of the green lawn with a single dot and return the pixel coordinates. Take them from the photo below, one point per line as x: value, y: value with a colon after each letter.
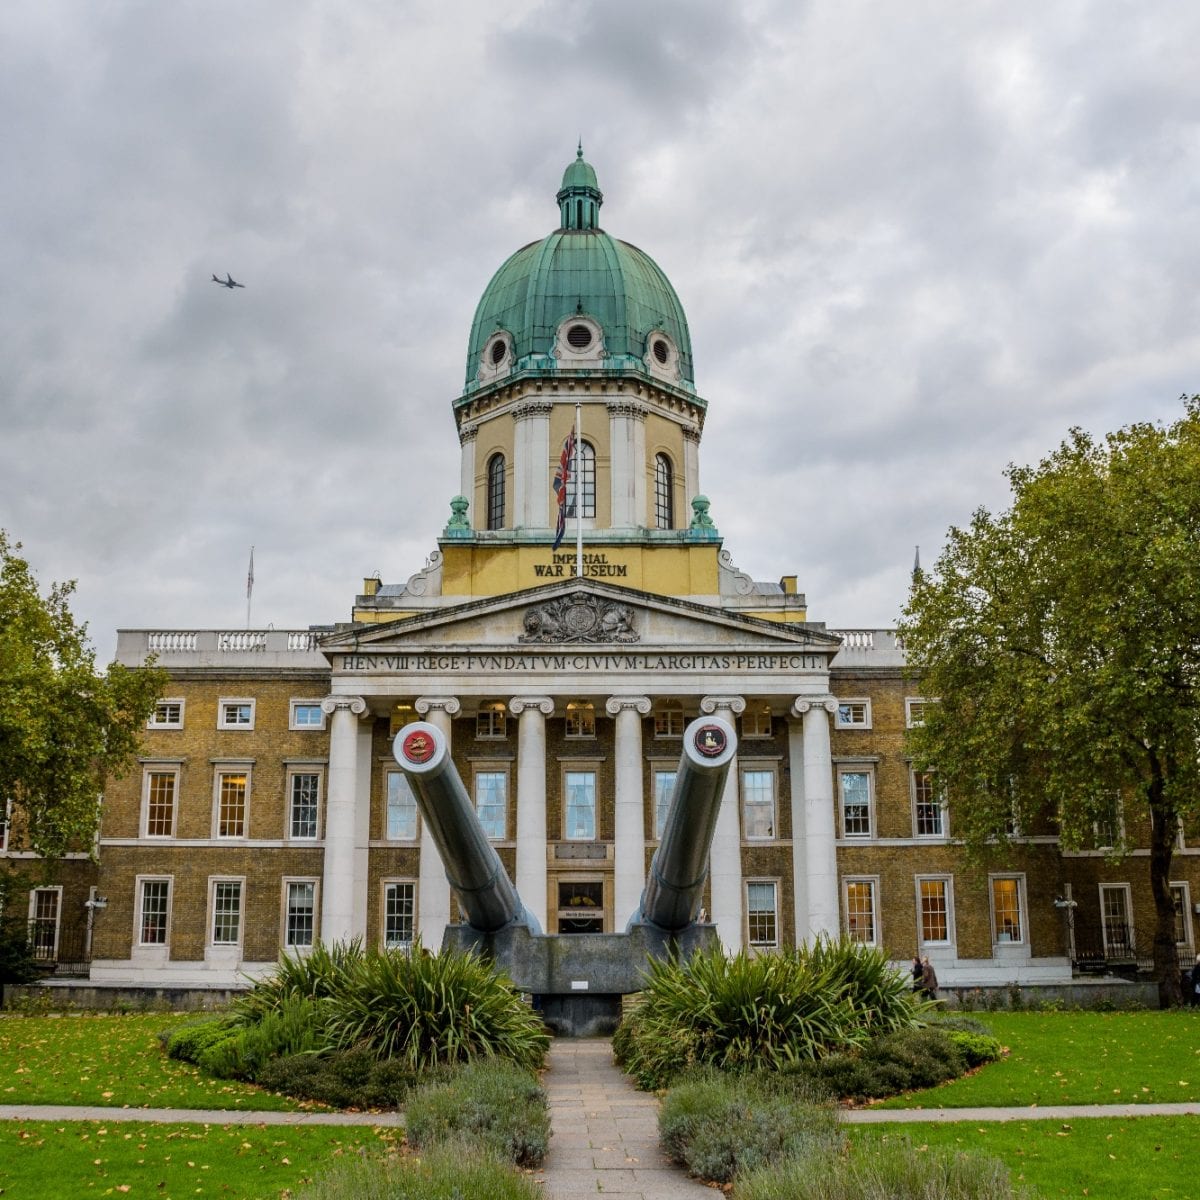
x: 47, y: 1160
x: 111, y: 1060
x: 1142, y: 1158
x: 1080, y: 1058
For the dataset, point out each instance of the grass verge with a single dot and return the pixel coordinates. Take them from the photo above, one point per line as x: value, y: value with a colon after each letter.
x: 111, y: 1060
x: 1079, y: 1058
x: 1139, y: 1158
x: 46, y: 1160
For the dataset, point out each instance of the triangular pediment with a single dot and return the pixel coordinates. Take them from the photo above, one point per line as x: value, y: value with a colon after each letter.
x: 570, y: 613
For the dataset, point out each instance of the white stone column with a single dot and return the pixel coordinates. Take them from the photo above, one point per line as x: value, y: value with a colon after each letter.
x: 433, y: 888
x: 813, y: 822
x: 627, y: 470
x: 345, y: 871
x: 531, y: 713
x: 466, y: 469
x: 691, y: 469
x: 629, y: 822
x: 725, y: 861
x: 531, y: 465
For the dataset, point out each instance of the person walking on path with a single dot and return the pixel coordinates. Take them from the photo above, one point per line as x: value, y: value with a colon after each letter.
x: 929, y: 982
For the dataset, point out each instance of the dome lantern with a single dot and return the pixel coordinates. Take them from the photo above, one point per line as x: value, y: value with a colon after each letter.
x: 580, y: 197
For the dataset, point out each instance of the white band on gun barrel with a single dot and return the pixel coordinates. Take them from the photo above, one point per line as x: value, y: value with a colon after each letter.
x: 430, y: 764
x: 700, y: 760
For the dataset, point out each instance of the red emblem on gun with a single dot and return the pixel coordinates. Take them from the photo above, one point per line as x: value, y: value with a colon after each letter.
x: 418, y: 747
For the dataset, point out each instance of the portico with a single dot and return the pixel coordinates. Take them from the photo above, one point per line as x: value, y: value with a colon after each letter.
x: 594, y: 718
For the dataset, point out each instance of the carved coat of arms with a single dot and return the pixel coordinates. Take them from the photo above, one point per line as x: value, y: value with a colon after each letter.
x: 579, y: 618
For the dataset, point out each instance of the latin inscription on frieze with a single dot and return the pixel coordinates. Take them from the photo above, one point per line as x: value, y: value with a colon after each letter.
x: 534, y: 664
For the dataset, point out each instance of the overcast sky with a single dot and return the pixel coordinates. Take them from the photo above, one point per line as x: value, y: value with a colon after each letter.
x: 915, y: 242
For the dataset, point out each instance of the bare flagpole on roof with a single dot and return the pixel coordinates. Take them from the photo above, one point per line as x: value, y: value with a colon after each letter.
x: 249, y: 586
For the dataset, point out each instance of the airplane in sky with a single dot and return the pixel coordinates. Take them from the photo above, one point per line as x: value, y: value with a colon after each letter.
x: 228, y: 281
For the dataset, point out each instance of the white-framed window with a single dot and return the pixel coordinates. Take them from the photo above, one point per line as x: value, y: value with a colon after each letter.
x: 1181, y: 897
x: 153, y: 917
x: 668, y: 719
x: 664, y: 786
x: 859, y: 904
x: 762, y: 913
x: 756, y: 720
x: 495, y: 491
x: 929, y: 811
x: 664, y: 493
x: 1108, y: 830
x: 45, y: 913
x: 401, y: 809
x: 305, y: 714
x: 225, y: 910
x: 914, y: 710
x: 167, y: 714
x: 1008, y: 909
x: 399, y: 922
x: 758, y: 803
x: 235, y: 713
x: 854, y: 801
x: 160, y: 800
x: 491, y: 721
x: 491, y: 802
x: 231, y: 802
x: 853, y: 713
x: 581, y: 719
x: 304, y: 803
x: 579, y: 805
x: 583, y: 478
x: 935, y: 910
x: 299, y: 913
x: 1116, y: 919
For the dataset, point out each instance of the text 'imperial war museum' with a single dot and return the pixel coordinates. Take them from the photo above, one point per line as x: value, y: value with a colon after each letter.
x: 269, y: 812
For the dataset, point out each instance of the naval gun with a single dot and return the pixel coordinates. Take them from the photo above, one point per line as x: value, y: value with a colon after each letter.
x: 577, y: 979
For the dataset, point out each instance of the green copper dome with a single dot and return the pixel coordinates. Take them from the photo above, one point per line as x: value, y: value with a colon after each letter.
x: 580, y: 271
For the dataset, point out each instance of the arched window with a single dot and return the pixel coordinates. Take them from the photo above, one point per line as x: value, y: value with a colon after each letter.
x: 585, y: 464
x: 664, y: 492
x: 495, y: 492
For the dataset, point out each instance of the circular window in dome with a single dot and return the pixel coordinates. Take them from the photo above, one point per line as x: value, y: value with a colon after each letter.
x: 498, y: 351
x: 661, y: 350
x: 579, y: 337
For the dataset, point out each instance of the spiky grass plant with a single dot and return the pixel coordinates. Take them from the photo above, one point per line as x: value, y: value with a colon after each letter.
x: 764, y: 1013
x: 319, y: 973
x: 429, y: 1010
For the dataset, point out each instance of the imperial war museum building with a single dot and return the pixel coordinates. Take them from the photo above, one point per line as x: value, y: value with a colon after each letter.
x: 268, y: 811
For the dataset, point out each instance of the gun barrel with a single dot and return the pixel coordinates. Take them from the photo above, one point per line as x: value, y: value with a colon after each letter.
x: 485, y: 893
x: 675, y: 887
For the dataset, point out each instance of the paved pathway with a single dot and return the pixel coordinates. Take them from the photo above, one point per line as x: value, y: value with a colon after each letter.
x: 605, y: 1132
x: 199, y: 1116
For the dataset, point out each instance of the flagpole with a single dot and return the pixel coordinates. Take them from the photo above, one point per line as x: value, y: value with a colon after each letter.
x: 249, y: 586
x: 578, y: 507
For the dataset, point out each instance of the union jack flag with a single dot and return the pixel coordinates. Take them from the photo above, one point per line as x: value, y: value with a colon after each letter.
x: 562, y: 479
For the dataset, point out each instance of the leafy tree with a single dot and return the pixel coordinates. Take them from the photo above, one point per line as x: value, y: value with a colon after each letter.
x: 64, y: 727
x: 1062, y: 638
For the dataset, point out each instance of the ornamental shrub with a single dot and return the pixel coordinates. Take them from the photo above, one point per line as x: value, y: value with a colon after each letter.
x: 450, y: 1172
x: 770, y: 1012
x: 429, y: 1010
x: 319, y: 973
x: 897, y: 1062
x: 495, y: 1104
x: 187, y: 1042
x: 888, y: 1168
x: 342, y: 1078
x: 718, y: 1126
